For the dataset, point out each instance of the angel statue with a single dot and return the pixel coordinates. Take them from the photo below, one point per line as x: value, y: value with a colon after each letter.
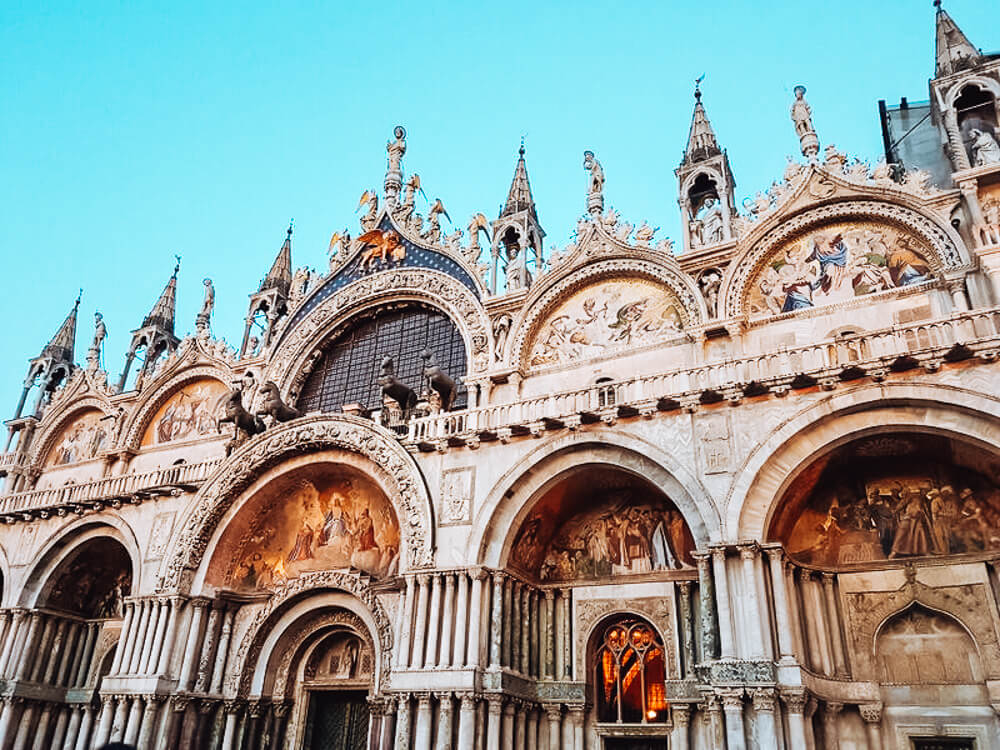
x: 433, y: 233
x: 595, y: 191
x: 368, y: 198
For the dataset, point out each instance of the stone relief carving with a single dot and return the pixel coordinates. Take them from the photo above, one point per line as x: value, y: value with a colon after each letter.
x: 714, y: 434
x: 159, y: 535
x: 457, y: 495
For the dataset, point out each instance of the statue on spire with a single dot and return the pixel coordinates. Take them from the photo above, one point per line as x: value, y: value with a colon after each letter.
x: 595, y: 192
x: 394, y: 170
x: 94, y: 352
x: 802, y: 117
x: 205, y: 314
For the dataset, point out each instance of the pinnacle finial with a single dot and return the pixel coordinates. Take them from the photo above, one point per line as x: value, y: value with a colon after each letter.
x: 78, y: 298
x: 697, y: 86
x: 937, y: 4
x: 288, y: 234
x: 520, y: 151
x: 177, y: 265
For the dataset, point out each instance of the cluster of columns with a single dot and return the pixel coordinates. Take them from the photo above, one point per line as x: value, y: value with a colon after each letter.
x: 148, y: 631
x: 226, y: 725
x: 530, y: 628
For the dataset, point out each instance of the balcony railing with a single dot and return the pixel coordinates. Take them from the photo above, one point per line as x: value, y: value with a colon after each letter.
x: 871, y: 353
x: 125, y: 487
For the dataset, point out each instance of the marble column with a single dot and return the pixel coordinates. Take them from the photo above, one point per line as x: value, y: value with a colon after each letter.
x: 222, y: 652
x: 388, y: 736
x: 13, y: 633
x: 192, y: 642
x: 493, y: 718
x: 73, y: 730
x: 446, y: 718
x: 146, y: 636
x: 42, y: 730
x: 150, y: 714
x: 403, y: 722
x: 726, y: 635
x: 420, y: 626
x: 871, y: 713
x: 795, y: 704
x: 833, y: 624
x: 520, y: 725
x: 154, y: 636
x: 56, y: 652
x: 687, y: 628
x: 516, y: 629
x: 120, y: 717
x: 831, y: 718
x: 526, y: 626
x: 447, y: 621
x: 467, y: 720
x: 680, y: 737
x: 26, y: 727
x: 475, y: 618
x: 404, y: 632
x: 559, y: 661
x: 567, y: 643
x: 536, y: 634
x: 960, y: 156
x: 86, y: 724
x: 531, y: 741
x: 433, y: 622
x: 83, y: 670
x: 575, y: 719
x: 130, y: 662
x: 422, y: 735
x: 812, y: 612
x: 548, y: 616
x: 29, y: 650
x: 104, y: 723
x: 116, y: 662
x: 732, y: 705
x: 496, y: 622
x: 7, y: 631
x: 131, y: 731
x: 462, y: 623
x: 553, y: 712
x: 507, y: 733
x: 786, y: 647
x: 763, y: 706
x: 7, y: 727
x: 71, y: 646
x: 508, y: 633
x: 208, y: 650
x: 751, y: 603
x: 232, y: 712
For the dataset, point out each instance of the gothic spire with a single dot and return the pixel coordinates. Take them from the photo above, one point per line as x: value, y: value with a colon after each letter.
x: 280, y: 275
x: 162, y: 314
x: 60, y: 347
x: 519, y: 197
x: 954, y: 51
x: 701, y: 139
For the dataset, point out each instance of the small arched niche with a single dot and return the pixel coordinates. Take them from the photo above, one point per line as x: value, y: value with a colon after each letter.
x: 92, y: 582
x: 891, y: 496
x: 599, y: 522
x: 921, y: 647
x: 316, y: 517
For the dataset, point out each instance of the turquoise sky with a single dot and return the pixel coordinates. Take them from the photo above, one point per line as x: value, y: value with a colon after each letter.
x: 131, y: 132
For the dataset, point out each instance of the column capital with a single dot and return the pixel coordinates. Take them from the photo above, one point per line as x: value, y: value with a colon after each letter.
x: 200, y: 602
x: 732, y: 698
x: 576, y: 708
x: 871, y: 712
x: 795, y: 700
x: 549, y: 594
x: 232, y: 706
x: 685, y: 587
x: 508, y: 708
x: 477, y: 573
x: 774, y: 553
x: 467, y: 700
x: 444, y: 698
x: 829, y: 578
x: 207, y: 705
x: 749, y: 551
x: 680, y: 714
x: 494, y: 703
x: 763, y: 699
x: 178, y: 703
x: 832, y: 708
x: 718, y: 554
x: 423, y: 578
x: 553, y: 711
x: 281, y: 709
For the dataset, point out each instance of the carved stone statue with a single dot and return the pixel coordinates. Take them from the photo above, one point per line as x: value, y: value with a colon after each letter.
x: 245, y: 424
x: 802, y: 117
x: 205, y: 314
x: 644, y: 235
x: 710, y: 282
x: 501, y: 329
x: 518, y: 276
x: 395, y: 149
x: 595, y: 190
x: 100, y: 333
x: 985, y: 150
x: 713, y: 227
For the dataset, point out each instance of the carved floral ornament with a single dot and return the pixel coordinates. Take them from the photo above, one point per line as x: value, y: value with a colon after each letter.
x: 291, y: 362
x: 408, y: 494
x: 932, y: 238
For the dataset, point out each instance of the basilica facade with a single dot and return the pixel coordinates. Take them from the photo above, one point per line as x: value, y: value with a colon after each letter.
x: 741, y: 492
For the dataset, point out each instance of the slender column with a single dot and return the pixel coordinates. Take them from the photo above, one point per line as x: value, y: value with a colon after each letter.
x: 13, y: 633
x: 481, y: 725
x: 706, y: 598
x: 520, y: 725
x: 475, y: 618
x: 130, y: 661
x: 149, y: 715
x: 567, y: 731
x: 280, y: 720
x: 41, y: 732
x: 732, y: 705
x: 404, y: 633
x: 507, y: 732
x: 191, y: 647
x: 726, y: 635
x: 831, y: 732
x: 815, y: 639
x: 73, y: 730
x: 39, y: 653
x: 86, y: 724
x: 508, y: 632
x: 422, y: 736
x: 144, y: 637
x: 232, y: 711
x: 872, y: 715
x: 559, y: 661
x: 536, y: 634
x: 151, y: 657
x: 687, y: 625
x: 447, y: 621
x: 173, y: 722
x: 748, y: 554
x: 531, y: 742
x: 496, y: 621
x: 433, y: 622
x: 763, y: 706
x: 576, y: 719
x: 26, y: 727
x: 959, y: 154
x: 157, y: 622
x: 219, y: 670
x: 446, y: 716
x: 7, y: 630
x: 467, y: 720
x: 420, y: 626
x: 795, y: 704
x: 523, y: 625
x: 10, y: 707
x: 567, y: 643
x: 680, y: 737
x: 104, y: 722
x: 57, y: 653
x: 120, y: 716
x: 388, y: 724
x: 71, y: 647
x: 548, y: 633
x: 402, y: 722
x: 462, y: 623
x: 819, y: 617
x: 553, y: 712
x: 494, y: 709
x: 83, y: 675
x: 208, y: 650
x: 131, y: 733
x: 28, y: 648
x: 167, y: 647
x: 786, y: 646
x: 833, y: 623
x: 116, y: 663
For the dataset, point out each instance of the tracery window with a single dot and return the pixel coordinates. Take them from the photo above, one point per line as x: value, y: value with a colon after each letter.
x: 630, y: 674
x: 348, y: 370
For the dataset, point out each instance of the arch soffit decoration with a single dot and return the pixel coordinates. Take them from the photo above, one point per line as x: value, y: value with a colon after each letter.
x: 158, y: 395
x: 63, y: 542
x: 791, y: 446
x: 548, y: 295
x: 510, y: 500
x: 299, y: 348
x: 867, y: 203
x: 68, y: 411
x: 298, y: 599
x: 409, y: 495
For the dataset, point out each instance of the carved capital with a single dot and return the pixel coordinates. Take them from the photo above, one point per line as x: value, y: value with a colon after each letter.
x: 871, y: 712
x: 553, y: 711
x: 178, y: 703
x: 232, y: 706
x: 795, y: 700
x: 732, y: 698
x: 763, y: 699
x: 494, y: 704
x: 281, y: 709
x: 831, y: 709
x: 681, y: 714
x: 748, y: 552
x: 467, y: 700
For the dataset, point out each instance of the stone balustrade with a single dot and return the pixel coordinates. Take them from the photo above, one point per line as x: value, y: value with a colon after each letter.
x: 867, y: 354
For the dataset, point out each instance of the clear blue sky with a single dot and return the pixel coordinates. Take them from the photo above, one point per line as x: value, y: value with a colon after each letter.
x: 131, y: 132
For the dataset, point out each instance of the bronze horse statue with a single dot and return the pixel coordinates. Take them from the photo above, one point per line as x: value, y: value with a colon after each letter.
x: 274, y: 407
x: 395, y: 388
x: 246, y: 424
x: 438, y: 380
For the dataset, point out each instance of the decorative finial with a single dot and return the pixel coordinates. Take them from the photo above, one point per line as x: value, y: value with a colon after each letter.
x: 697, y: 86
x: 78, y: 298
x: 520, y: 151
x: 289, y: 233
x: 177, y: 266
x: 937, y: 4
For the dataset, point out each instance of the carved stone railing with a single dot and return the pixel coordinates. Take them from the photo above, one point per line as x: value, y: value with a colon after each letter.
x: 872, y: 354
x: 107, y: 490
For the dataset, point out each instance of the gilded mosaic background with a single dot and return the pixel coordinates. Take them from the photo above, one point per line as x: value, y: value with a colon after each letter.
x: 189, y: 413
x: 81, y: 439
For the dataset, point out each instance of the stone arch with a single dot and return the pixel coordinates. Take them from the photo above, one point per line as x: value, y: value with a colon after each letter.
x: 846, y: 415
x: 44, y: 442
x: 916, y: 608
x: 298, y: 602
x: 984, y: 83
x: 299, y: 347
x: 402, y: 482
x: 551, y: 293
x: 947, y: 248
x: 601, y: 613
x: 512, y: 497
x: 146, y: 409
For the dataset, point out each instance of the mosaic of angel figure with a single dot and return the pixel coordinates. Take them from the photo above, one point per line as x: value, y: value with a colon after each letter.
x: 835, y: 265
x: 82, y: 440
